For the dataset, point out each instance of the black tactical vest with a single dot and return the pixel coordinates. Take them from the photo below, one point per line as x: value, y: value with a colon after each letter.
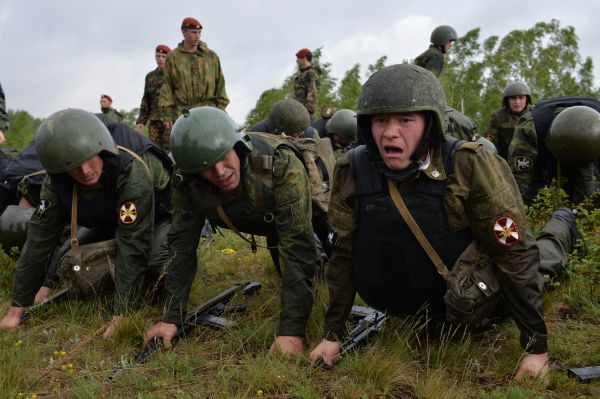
x: 391, y: 271
x: 100, y: 210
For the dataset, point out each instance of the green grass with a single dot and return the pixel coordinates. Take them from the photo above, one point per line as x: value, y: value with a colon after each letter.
x: 408, y: 359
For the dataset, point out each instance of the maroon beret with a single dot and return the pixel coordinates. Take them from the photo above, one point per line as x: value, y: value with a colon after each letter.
x: 163, y: 49
x: 107, y: 97
x: 191, y: 23
x: 303, y: 53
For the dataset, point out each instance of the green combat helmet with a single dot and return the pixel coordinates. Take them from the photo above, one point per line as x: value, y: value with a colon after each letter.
x: 402, y: 88
x: 202, y: 136
x: 289, y: 116
x: 69, y: 138
x: 574, y: 136
x: 343, y: 122
x: 443, y: 34
x: 516, y: 89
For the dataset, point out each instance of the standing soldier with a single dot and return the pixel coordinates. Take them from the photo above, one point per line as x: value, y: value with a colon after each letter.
x: 307, y: 81
x: 149, y: 111
x: 3, y: 116
x: 463, y: 200
x: 192, y: 76
x: 109, y: 112
x: 441, y: 41
x: 114, y: 195
x: 249, y: 182
x: 516, y: 100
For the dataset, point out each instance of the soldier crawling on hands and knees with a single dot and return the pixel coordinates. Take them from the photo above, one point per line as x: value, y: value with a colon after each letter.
x: 461, y: 197
x: 250, y: 182
x: 117, y: 183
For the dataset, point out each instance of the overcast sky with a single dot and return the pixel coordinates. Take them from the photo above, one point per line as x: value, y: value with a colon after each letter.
x: 58, y: 54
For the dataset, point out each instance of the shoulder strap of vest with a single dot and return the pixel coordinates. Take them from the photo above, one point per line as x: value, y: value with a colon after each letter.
x: 449, y: 148
x: 137, y: 157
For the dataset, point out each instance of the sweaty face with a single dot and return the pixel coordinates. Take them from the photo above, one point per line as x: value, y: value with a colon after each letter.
x: 88, y: 173
x: 226, y: 173
x: 397, y: 136
x: 191, y: 37
x: 517, y: 103
x: 160, y: 59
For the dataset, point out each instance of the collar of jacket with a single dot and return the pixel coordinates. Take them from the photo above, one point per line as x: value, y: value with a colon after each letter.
x: 202, y: 47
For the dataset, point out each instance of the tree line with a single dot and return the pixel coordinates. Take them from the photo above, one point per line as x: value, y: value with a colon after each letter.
x: 545, y: 56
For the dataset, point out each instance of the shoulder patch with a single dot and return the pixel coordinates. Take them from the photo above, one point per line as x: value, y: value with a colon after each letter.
x: 43, y: 207
x: 522, y: 163
x: 506, y: 231
x: 128, y: 213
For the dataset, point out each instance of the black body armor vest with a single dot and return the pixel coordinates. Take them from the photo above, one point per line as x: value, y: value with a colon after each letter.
x: 391, y: 271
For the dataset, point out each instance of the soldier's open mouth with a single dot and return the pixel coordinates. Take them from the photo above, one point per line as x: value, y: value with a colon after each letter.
x: 393, y: 150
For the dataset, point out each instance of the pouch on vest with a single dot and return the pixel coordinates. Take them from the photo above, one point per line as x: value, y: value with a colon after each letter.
x: 89, y: 269
x: 473, y: 287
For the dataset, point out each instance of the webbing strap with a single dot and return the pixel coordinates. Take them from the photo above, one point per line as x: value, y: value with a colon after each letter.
x: 74, y: 241
x: 416, y: 230
x: 136, y: 156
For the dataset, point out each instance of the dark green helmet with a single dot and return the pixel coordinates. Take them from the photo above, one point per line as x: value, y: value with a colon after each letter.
x: 68, y: 138
x: 574, y: 136
x: 202, y: 136
x: 443, y: 34
x: 343, y: 122
x: 289, y: 116
x: 516, y: 89
x: 402, y: 88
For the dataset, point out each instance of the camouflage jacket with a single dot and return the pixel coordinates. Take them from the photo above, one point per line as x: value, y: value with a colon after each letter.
x: 432, y: 59
x: 3, y: 114
x: 502, y: 128
x: 112, y: 114
x: 289, y: 219
x: 472, y: 199
x: 191, y: 80
x: 134, y: 240
x: 149, y: 107
x: 306, y: 87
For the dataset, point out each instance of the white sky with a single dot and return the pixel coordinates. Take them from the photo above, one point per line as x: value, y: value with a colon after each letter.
x: 58, y: 54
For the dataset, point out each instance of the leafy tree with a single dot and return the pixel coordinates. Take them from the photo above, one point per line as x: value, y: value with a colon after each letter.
x: 545, y: 56
x: 23, y: 128
x: 349, y: 89
x: 377, y: 66
x: 129, y: 117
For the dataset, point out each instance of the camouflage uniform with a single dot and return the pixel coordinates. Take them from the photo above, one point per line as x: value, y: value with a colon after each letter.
x: 502, y: 128
x: 191, y: 80
x: 289, y: 219
x: 473, y: 203
x: 134, y: 238
x: 432, y: 59
x: 149, y: 111
x: 306, y: 88
x: 112, y: 114
x: 3, y: 114
x: 532, y: 170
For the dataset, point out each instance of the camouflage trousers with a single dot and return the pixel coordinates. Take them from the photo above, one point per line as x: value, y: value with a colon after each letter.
x: 160, y: 135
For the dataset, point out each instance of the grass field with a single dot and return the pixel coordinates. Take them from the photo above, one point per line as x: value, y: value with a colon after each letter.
x: 59, y: 352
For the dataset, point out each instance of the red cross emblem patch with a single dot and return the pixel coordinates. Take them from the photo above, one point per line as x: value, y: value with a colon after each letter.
x: 128, y: 213
x: 506, y: 231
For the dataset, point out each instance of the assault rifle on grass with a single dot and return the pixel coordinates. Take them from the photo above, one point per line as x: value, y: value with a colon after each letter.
x: 57, y: 297
x: 369, y: 322
x: 207, y: 314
